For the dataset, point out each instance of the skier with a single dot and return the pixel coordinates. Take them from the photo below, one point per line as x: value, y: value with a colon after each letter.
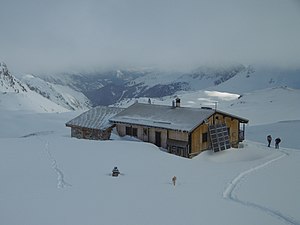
x: 277, y: 141
x: 269, y: 138
x: 115, y: 172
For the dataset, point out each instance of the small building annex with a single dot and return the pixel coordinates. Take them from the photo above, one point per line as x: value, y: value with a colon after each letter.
x: 93, y: 124
x: 181, y: 130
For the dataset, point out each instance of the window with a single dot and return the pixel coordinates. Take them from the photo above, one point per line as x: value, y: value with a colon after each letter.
x: 134, y: 132
x: 129, y: 131
x: 204, y: 137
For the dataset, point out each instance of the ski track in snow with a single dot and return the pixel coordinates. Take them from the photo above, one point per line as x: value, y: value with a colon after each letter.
x: 61, y: 183
x: 228, y: 193
x: 40, y: 133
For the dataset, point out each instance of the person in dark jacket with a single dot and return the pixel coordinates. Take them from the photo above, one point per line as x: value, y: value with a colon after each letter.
x: 277, y: 141
x: 269, y: 139
x: 115, y: 172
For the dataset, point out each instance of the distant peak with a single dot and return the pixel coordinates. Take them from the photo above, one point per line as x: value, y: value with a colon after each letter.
x: 8, y: 83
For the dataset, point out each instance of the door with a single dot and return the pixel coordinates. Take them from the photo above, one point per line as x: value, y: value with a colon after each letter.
x: 158, y: 138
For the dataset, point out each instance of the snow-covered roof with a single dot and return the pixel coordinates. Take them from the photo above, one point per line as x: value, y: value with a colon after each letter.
x: 95, y: 118
x: 168, y: 117
x: 175, y: 118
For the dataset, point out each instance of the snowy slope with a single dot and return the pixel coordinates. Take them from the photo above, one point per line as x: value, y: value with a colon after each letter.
x: 49, y: 178
x: 61, y: 95
x: 268, y: 105
x: 9, y: 83
x: 257, y: 77
x: 29, y: 101
x: 15, y: 95
x: 117, y: 85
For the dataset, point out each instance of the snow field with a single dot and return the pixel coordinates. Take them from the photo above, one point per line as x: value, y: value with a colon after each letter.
x: 144, y: 194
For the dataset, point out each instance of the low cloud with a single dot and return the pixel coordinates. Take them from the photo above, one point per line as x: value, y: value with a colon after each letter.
x: 41, y: 36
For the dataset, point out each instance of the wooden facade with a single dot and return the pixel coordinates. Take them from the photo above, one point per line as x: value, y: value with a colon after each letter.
x: 185, y: 143
x: 200, y: 138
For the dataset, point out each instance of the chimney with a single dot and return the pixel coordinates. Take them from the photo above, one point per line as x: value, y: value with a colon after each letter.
x: 177, y: 102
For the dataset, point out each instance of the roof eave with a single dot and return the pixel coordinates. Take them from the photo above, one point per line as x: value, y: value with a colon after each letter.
x: 240, y: 119
x: 140, y: 124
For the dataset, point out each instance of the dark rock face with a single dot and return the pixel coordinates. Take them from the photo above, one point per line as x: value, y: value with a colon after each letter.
x: 9, y: 82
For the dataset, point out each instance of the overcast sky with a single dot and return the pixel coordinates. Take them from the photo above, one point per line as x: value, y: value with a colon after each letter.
x: 56, y: 35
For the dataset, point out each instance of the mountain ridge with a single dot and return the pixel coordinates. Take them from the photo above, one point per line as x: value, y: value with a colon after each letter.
x: 81, y: 91
x: 15, y: 94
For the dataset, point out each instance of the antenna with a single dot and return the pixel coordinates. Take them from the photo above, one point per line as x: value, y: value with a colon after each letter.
x: 216, y: 105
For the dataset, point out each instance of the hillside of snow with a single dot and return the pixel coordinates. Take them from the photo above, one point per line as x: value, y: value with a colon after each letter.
x: 61, y: 95
x: 49, y: 178
x: 110, y: 87
x: 29, y: 101
x: 255, y: 78
x: 15, y: 95
x: 9, y: 83
x: 33, y: 94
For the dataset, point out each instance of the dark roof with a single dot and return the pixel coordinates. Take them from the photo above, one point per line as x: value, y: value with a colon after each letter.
x: 168, y: 117
x: 95, y: 118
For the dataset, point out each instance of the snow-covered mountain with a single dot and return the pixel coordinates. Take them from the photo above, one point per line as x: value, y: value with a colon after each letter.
x: 106, y: 88
x: 255, y: 78
x: 256, y: 182
x: 45, y: 173
x: 36, y: 95
x: 121, y: 87
x: 15, y: 95
x: 8, y: 83
x: 61, y: 95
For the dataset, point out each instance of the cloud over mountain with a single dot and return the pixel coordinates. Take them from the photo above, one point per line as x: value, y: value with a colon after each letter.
x: 65, y: 35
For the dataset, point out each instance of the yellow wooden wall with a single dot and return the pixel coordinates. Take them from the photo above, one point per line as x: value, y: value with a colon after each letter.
x: 198, y: 145
x: 179, y: 136
x: 196, y: 139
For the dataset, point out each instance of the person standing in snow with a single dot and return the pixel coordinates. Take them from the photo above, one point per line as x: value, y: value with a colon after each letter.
x: 174, y: 180
x: 277, y: 141
x: 269, y: 138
